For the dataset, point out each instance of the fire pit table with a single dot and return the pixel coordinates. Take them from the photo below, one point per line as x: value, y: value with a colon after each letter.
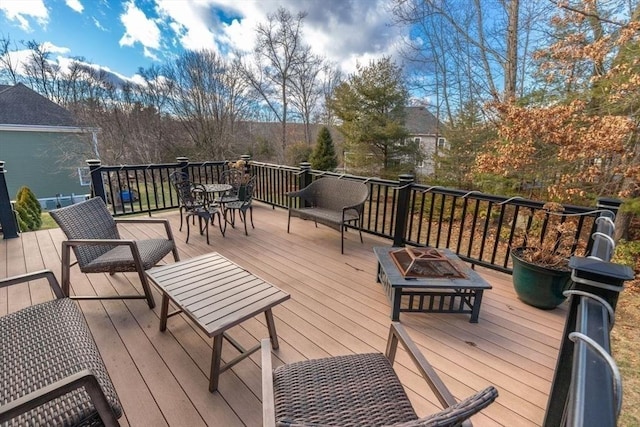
x: 428, y: 280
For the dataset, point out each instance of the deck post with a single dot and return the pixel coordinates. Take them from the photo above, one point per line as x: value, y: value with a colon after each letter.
x: 405, y: 182
x: 7, y: 217
x: 97, y: 185
x: 183, y: 164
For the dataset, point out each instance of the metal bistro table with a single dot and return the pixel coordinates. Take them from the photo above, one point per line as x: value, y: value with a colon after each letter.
x: 216, y: 294
x: 217, y: 189
x: 430, y: 295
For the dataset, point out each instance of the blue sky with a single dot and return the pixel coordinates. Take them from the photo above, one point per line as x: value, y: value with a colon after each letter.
x: 122, y: 36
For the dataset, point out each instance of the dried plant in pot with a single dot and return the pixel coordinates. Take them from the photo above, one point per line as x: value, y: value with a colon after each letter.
x: 540, y: 267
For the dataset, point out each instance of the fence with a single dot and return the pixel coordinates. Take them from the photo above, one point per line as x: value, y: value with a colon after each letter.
x: 480, y: 228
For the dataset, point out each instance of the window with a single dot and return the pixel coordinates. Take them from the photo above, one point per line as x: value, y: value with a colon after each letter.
x: 442, y: 143
x: 417, y: 140
x: 85, y: 176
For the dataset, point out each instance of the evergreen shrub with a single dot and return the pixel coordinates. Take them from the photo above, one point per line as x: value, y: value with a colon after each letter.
x: 28, y: 209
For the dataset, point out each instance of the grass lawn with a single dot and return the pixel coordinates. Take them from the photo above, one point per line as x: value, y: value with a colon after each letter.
x: 626, y: 351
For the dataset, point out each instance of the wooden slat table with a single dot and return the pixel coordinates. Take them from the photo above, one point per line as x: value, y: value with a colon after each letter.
x: 216, y: 294
x: 430, y: 295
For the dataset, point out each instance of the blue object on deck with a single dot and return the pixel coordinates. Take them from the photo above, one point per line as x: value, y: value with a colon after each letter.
x: 126, y: 196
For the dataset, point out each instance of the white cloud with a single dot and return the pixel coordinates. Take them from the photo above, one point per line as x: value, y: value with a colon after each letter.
x: 98, y: 24
x: 139, y: 28
x: 75, y: 5
x: 52, y: 48
x: 21, y: 10
x: 342, y: 31
x: 190, y: 22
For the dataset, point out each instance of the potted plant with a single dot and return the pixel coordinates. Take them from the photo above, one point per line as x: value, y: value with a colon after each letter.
x: 540, y: 266
x: 243, y: 176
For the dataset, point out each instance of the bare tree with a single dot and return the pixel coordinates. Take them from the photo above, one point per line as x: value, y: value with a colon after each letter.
x: 208, y: 97
x: 331, y: 79
x: 306, y: 90
x: 8, y: 68
x: 277, y: 56
x: 478, y: 48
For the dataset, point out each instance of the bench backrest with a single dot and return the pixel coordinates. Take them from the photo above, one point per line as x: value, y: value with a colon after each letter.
x: 335, y: 194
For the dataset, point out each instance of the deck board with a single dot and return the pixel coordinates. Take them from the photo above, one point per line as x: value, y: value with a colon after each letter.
x: 336, y: 307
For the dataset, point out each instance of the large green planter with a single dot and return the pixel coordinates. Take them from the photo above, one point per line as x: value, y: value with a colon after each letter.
x: 538, y: 286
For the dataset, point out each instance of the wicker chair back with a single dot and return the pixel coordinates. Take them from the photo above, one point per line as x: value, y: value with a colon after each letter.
x: 87, y: 220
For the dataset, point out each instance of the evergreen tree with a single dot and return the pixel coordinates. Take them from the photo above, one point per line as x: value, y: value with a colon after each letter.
x: 29, y: 209
x: 324, y: 155
x: 371, y: 106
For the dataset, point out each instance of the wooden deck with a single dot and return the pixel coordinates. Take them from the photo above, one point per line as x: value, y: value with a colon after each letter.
x: 336, y: 307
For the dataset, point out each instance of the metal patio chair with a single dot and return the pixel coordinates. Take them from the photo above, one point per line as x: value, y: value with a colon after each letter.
x: 51, y: 370
x: 93, y: 234
x: 234, y: 178
x: 358, y: 390
x: 206, y: 212
x: 184, y: 189
x: 242, y: 205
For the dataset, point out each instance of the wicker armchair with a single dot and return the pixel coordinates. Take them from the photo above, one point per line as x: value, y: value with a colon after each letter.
x: 358, y: 390
x: 332, y: 202
x: 51, y: 370
x: 93, y: 235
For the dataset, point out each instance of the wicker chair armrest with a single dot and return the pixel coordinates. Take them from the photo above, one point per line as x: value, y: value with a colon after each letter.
x: 167, y: 225
x: 299, y: 193
x: 67, y: 244
x: 43, y: 274
x: 397, y: 333
x: 302, y: 194
x: 268, y: 399
x: 80, y: 379
x: 358, y: 208
x: 99, y: 242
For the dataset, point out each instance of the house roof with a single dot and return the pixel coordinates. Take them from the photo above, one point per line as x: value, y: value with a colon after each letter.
x: 20, y: 105
x: 420, y: 121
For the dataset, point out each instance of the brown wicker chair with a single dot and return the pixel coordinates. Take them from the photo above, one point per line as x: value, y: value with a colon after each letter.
x: 51, y: 370
x: 93, y: 235
x: 332, y: 202
x: 358, y: 390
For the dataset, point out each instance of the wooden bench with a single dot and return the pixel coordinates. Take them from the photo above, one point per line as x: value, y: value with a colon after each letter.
x: 332, y: 202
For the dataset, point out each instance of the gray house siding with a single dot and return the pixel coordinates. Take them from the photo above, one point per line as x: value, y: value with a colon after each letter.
x: 44, y: 161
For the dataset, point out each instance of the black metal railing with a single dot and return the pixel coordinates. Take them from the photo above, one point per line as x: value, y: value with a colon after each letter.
x: 587, y: 386
x: 480, y: 228
x: 131, y: 189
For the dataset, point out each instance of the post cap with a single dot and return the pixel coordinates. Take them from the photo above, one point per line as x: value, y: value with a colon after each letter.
x: 94, y: 162
x: 405, y: 177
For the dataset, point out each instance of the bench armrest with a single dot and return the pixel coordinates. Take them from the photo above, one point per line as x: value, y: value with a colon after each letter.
x: 42, y: 274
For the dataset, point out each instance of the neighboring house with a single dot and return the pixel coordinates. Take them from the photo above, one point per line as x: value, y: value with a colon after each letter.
x: 424, y: 128
x: 43, y: 147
